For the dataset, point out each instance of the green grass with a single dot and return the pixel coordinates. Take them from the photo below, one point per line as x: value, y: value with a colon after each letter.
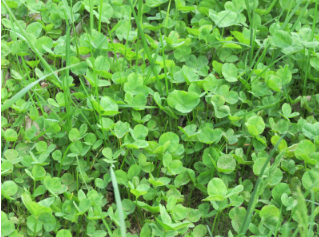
x: 183, y: 118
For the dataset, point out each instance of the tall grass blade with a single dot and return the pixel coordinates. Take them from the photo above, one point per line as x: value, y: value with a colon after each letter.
x: 251, y: 205
x: 100, y: 16
x: 146, y: 48
x: 91, y: 16
x: 307, y: 69
x: 21, y: 93
x: 65, y: 81
x: 25, y: 35
x: 118, y: 202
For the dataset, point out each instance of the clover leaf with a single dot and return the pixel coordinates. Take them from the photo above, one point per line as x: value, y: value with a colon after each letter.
x: 255, y: 125
x: 183, y: 101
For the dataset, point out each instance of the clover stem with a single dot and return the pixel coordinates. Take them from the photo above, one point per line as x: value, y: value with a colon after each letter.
x: 128, y: 193
x: 79, y: 225
x: 139, y: 212
x: 159, y: 168
x: 242, y: 172
x: 187, y: 144
x: 77, y: 159
x: 194, y: 160
x: 35, y: 227
x: 215, y: 220
x: 154, y: 195
x: 104, y: 222
x: 249, y: 148
x: 277, y: 226
x: 124, y: 160
x: 77, y: 181
x: 190, y: 196
x: 67, y: 149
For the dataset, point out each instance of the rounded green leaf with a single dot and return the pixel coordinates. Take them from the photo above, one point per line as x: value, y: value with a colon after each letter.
x: 237, y: 216
x: 106, y: 13
x: 255, y: 125
x: 146, y: 230
x: 279, y: 190
x: 74, y: 134
x: 182, y: 51
x: 175, y: 167
x: 259, y: 164
x: 140, y: 132
x: 179, y: 212
x: 102, y: 63
x: 311, y: 130
x: 6, y: 168
x: 287, y: 4
x: 11, y: 154
x: 42, y: 146
x: 107, y: 152
x: 281, y: 39
x: 34, y: 28
x: 223, y: 18
x: 128, y: 206
x: 64, y: 233
x: 275, y: 177
x: 314, y: 62
x: 79, y: 69
x: 106, y: 124
x: 7, y: 226
x: 84, y: 205
x: 38, y: 172
x: 76, y: 147
x: 208, y: 135
x: 229, y: 71
x: 8, y: 189
x: 121, y: 177
x: 140, y: 190
x: 53, y: 184
x: 120, y: 129
x: 134, y: 170
x: 222, y: 111
x: 216, y: 190
x: 172, y: 138
x: 183, y: 101
x: 268, y: 212
x: 200, y: 231
x: 48, y: 220
x: 147, y: 167
x: 193, y: 215
x: 33, y: 224
x: 226, y: 164
x: 11, y: 135
x: 155, y: 3
x: 43, y: 41
x: 90, y: 139
x: 304, y: 149
x: 310, y: 179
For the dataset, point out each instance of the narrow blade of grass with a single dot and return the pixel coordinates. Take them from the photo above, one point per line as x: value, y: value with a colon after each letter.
x: 29, y: 41
x: 118, y: 202
x: 146, y: 48
x: 21, y: 93
x: 249, y: 212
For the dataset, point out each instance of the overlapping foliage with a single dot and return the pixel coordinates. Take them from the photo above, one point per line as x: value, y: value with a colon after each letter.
x: 160, y: 118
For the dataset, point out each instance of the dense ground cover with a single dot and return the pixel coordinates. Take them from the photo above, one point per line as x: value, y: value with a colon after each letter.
x: 159, y: 118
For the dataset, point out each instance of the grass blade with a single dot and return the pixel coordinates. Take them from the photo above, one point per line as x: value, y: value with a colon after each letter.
x: 118, y: 202
x: 25, y: 35
x: 146, y: 48
x: 247, y: 219
x: 21, y: 93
